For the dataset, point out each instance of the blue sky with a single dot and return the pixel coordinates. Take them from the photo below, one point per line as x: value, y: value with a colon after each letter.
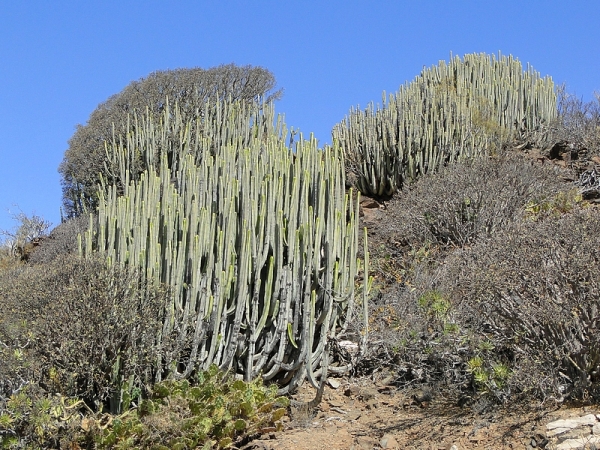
x: 60, y: 59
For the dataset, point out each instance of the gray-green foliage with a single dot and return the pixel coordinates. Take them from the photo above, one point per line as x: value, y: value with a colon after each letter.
x: 79, y: 328
x: 455, y: 110
x: 258, y: 242
x: 191, y: 88
x: 473, y: 199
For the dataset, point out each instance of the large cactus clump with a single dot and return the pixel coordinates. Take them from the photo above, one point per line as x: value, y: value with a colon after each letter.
x: 455, y: 110
x: 257, y: 241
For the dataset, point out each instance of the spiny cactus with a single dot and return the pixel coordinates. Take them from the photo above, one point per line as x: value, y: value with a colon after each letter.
x: 258, y: 242
x: 455, y: 110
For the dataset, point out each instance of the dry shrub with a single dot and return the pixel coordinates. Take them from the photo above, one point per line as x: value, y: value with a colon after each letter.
x: 498, y: 293
x: 415, y: 332
x: 514, y: 316
x: 578, y: 123
x: 534, y: 291
x: 79, y: 328
x: 62, y: 240
x: 468, y: 200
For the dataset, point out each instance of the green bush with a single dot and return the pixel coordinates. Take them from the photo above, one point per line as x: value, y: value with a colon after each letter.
x: 215, y: 410
x: 85, y: 161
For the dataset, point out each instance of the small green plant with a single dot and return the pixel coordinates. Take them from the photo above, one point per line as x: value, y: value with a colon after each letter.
x: 451, y: 328
x: 486, y: 345
x: 434, y: 304
x: 32, y: 419
x: 488, y: 378
x: 561, y: 203
x: 215, y: 411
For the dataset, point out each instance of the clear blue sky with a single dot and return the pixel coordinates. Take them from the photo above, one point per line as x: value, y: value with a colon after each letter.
x: 60, y: 59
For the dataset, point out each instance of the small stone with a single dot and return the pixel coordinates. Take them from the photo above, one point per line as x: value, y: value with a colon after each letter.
x: 349, y: 346
x: 351, y: 391
x: 387, y: 380
x: 365, y: 442
x: 596, y: 429
x: 354, y: 415
x: 557, y: 431
x: 331, y: 429
x: 368, y: 394
x: 540, y: 440
x: 422, y: 396
x: 388, y: 441
x: 369, y: 203
x: 334, y: 383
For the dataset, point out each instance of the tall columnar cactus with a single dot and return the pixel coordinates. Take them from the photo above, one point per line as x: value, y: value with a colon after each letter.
x: 451, y: 111
x: 257, y: 241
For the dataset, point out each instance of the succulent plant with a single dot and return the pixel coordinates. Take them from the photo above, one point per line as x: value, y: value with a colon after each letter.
x: 461, y: 109
x: 257, y: 241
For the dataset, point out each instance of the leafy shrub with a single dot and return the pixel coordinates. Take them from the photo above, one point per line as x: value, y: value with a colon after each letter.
x: 81, y: 329
x: 190, y: 88
x: 32, y: 418
x: 423, y: 339
x: 214, y: 411
x: 469, y: 200
x: 553, y: 206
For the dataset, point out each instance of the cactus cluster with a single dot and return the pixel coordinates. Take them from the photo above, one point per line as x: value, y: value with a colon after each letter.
x: 455, y: 110
x: 211, y: 412
x: 257, y: 241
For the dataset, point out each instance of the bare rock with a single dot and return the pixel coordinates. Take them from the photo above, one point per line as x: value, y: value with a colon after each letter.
x: 365, y: 442
x: 581, y: 443
x: 388, y: 441
x: 369, y: 203
x: 564, y: 425
x: 333, y: 383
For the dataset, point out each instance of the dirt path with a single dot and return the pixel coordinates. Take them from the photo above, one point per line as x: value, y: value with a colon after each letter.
x: 371, y: 416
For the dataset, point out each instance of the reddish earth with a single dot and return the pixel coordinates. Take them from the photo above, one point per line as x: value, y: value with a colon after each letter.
x: 362, y: 414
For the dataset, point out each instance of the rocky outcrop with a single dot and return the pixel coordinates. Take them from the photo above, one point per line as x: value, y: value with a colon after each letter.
x: 581, y: 432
